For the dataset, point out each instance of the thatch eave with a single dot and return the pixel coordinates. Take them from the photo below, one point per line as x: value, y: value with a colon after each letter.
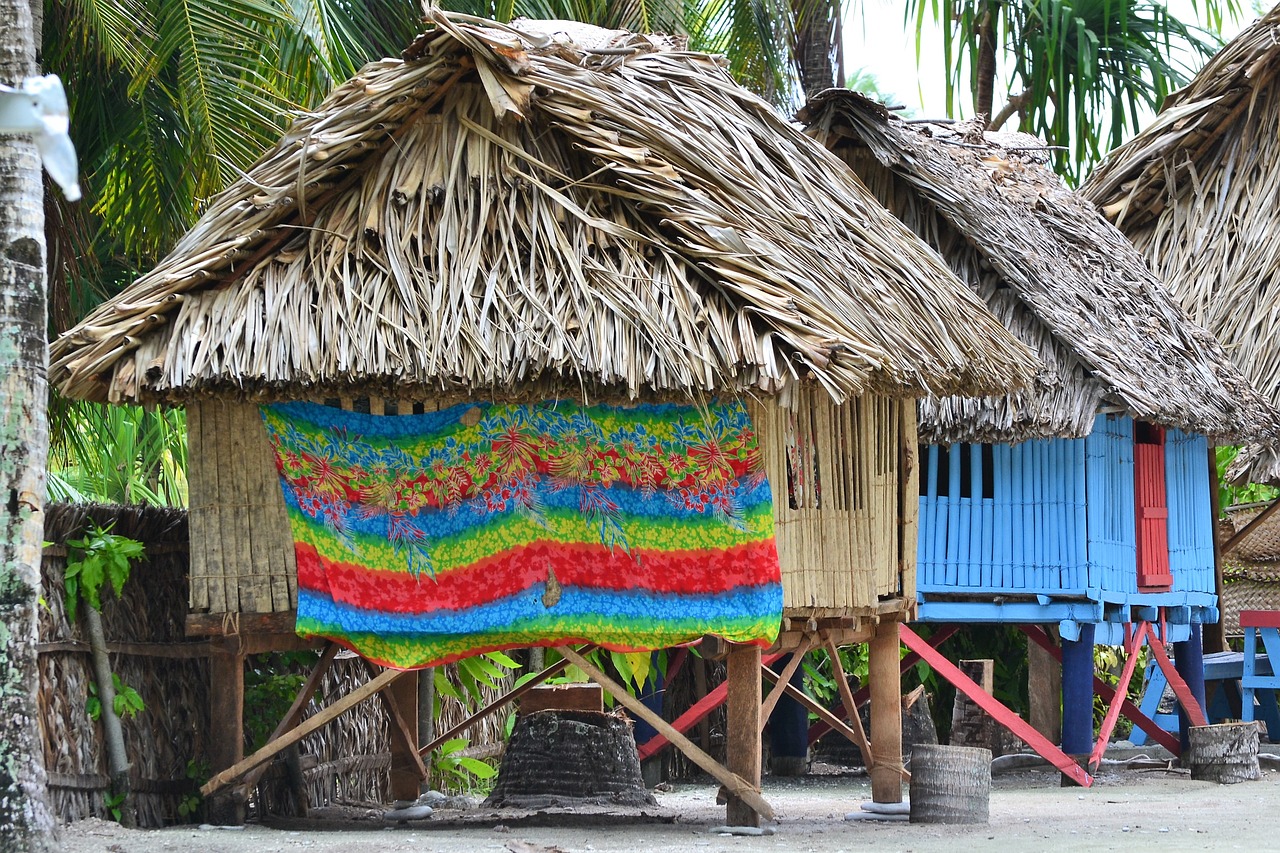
x: 1057, y: 274
x: 504, y: 208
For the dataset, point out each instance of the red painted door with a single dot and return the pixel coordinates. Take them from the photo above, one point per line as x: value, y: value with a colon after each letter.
x: 1152, y: 509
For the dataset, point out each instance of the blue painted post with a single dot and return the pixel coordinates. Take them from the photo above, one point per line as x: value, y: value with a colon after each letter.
x: 1077, y: 693
x: 1188, y: 660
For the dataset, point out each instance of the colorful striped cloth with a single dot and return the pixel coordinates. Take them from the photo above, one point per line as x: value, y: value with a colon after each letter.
x: 425, y: 538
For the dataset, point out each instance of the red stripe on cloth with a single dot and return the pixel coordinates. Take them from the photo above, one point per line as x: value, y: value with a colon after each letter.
x: 503, y: 575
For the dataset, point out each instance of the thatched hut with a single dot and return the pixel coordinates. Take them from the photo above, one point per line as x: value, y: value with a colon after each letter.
x: 1083, y: 500
x: 1197, y: 192
x: 506, y: 217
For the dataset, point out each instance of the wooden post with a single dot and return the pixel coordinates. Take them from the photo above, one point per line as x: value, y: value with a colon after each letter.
x: 743, y: 741
x: 1215, y: 635
x: 406, y: 778
x: 886, y: 714
x: 226, y: 736
x: 1044, y: 689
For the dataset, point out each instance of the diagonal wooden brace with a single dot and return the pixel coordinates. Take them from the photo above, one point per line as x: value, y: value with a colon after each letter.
x: 771, y: 701
x: 1011, y: 721
x: 1195, y: 714
x: 846, y: 695
x: 1131, y: 649
x: 735, y: 784
x: 1108, y: 693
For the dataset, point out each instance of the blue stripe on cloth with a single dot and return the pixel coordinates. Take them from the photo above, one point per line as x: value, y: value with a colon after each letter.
x: 507, y: 614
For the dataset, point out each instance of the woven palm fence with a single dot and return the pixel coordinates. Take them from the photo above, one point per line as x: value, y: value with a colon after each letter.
x: 345, y: 761
x: 149, y: 652
x: 1251, y: 569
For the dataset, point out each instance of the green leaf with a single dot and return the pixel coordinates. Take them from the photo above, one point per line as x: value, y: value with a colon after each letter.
x: 477, y: 768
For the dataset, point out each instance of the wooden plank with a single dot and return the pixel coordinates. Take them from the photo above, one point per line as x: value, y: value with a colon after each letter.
x: 564, y: 697
x: 222, y: 624
x: 330, y: 713
x: 736, y: 785
x: 742, y: 735
x: 197, y: 512
x: 177, y: 651
x: 770, y: 701
x: 510, y: 696
x: 846, y: 696
x: 995, y: 708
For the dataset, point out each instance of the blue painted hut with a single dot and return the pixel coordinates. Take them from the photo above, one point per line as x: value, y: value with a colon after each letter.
x: 1085, y: 500
x: 1088, y: 495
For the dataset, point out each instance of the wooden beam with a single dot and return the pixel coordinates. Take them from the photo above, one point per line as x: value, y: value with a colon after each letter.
x: 510, y: 696
x: 698, y: 712
x: 226, y: 738
x: 835, y: 724
x: 330, y: 713
x: 401, y: 700
x: 229, y: 624
x: 846, y: 695
x: 771, y: 701
x: 742, y: 729
x: 294, y: 714
x: 1250, y: 527
x: 885, y: 680
x: 736, y: 785
x: 1044, y: 692
x: 820, y: 728
x: 1195, y: 714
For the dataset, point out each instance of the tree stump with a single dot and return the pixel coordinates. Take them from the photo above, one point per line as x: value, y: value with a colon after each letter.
x: 1225, y: 753
x: 570, y: 758
x: 950, y: 784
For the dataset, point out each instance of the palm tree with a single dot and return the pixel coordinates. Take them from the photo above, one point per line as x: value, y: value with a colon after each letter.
x: 1080, y: 72
x: 25, y: 822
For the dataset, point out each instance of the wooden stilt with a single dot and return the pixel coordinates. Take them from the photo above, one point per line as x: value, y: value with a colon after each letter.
x: 742, y: 741
x: 226, y: 740
x: 1044, y: 690
x: 736, y: 785
x: 407, y: 773
x: 886, y: 713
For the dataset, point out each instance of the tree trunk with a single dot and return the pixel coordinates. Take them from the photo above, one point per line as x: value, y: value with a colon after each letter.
x: 113, y: 734
x: 950, y: 784
x: 817, y: 28
x: 25, y: 822
x: 985, y: 85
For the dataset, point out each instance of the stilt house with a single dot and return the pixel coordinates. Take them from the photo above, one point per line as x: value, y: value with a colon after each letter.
x: 1084, y: 499
x: 509, y: 222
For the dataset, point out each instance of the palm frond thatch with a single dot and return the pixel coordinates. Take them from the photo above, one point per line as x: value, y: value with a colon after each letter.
x: 1198, y: 192
x: 551, y: 208
x: 1061, y: 277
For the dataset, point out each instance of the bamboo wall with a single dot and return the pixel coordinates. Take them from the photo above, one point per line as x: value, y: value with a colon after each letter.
x: 843, y: 508
x: 242, y: 558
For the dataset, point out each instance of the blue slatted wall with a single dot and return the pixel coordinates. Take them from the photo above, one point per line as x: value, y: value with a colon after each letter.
x: 1190, y: 512
x: 1017, y: 519
x: 1012, y: 520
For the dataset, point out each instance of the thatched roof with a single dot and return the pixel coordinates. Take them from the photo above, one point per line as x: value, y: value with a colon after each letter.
x: 1061, y: 277
x: 1198, y: 191
x: 558, y: 209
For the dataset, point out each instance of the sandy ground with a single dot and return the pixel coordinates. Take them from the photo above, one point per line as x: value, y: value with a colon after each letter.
x: 1029, y: 812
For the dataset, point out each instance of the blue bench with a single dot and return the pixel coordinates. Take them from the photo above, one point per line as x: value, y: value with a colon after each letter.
x: 1232, y: 682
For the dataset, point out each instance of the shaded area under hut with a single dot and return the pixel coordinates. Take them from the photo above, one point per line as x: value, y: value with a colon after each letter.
x: 507, y: 217
x: 1082, y: 502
